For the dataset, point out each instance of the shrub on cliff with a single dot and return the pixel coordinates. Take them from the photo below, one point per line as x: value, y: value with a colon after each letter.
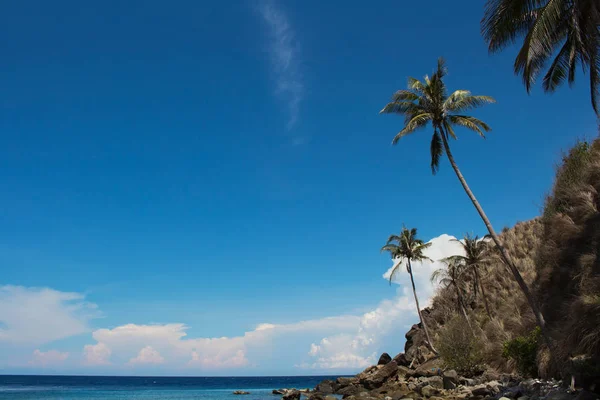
x: 523, y: 351
x: 459, y: 348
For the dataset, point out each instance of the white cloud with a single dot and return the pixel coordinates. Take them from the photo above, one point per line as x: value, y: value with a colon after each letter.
x: 96, y: 354
x: 48, y: 358
x: 285, y: 59
x: 34, y: 316
x: 203, y: 353
x: 360, y: 348
x: 147, y: 355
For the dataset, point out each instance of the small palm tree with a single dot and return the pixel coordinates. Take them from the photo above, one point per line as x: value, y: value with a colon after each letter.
x: 567, y: 28
x: 428, y: 101
x: 476, y: 258
x: 407, y: 247
x: 453, y: 275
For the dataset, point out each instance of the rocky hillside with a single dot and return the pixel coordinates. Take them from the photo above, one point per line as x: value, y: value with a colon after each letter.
x: 558, y: 255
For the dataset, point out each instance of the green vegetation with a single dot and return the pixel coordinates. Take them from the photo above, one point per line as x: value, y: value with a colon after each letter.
x: 564, y: 29
x: 459, y: 349
x: 407, y: 247
x: 523, y: 351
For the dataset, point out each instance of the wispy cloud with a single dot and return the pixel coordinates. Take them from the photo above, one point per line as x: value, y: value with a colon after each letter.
x: 285, y: 58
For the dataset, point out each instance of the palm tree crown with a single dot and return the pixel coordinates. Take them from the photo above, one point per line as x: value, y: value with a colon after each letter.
x: 566, y: 29
x: 405, y: 246
x: 477, y: 256
x: 428, y: 101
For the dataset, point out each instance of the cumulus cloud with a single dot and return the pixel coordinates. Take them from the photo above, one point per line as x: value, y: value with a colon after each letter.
x: 96, y: 354
x: 202, y: 353
x: 359, y: 349
x: 147, y: 355
x: 48, y: 358
x: 34, y: 316
x: 285, y: 59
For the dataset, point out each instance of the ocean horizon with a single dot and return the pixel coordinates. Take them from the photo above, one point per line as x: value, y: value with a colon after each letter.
x: 57, y: 387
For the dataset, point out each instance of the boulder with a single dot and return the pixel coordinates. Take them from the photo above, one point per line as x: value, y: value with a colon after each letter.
x: 326, y: 387
x: 316, y: 396
x: 481, y: 390
x: 292, y: 395
x: 350, y: 390
x: 343, y: 382
x: 378, y: 377
x: 240, y: 392
x: 428, y: 391
x: 384, y: 359
x: 402, y: 360
x: 330, y: 397
x: 279, y: 391
x: 434, y: 381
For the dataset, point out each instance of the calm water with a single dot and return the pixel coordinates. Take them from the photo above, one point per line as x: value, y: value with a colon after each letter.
x: 147, y: 388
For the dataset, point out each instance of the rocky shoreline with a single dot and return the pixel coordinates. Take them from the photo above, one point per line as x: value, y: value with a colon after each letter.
x: 395, y: 379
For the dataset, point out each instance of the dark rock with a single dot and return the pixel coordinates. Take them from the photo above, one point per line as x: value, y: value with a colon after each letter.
x: 326, y: 387
x: 316, y: 396
x: 384, y: 359
x: 279, y: 391
x: 292, y: 395
x: 330, y: 397
x: 343, y: 382
x: 481, y: 390
x: 402, y: 360
x: 378, y: 377
x: 350, y: 390
x: 451, y: 375
x: 239, y: 392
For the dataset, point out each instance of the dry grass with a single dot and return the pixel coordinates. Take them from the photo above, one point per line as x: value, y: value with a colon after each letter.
x: 557, y: 255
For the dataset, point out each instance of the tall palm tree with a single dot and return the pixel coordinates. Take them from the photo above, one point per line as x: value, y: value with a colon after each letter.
x: 568, y: 30
x: 407, y: 247
x: 453, y: 275
x: 476, y: 258
x: 428, y: 101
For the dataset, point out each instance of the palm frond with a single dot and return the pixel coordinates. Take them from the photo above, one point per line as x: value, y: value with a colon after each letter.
x: 418, y: 121
x: 461, y: 100
x: 437, y: 151
x: 471, y: 123
x: 541, y: 40
x: 562, y: 67
x: 506, y: 20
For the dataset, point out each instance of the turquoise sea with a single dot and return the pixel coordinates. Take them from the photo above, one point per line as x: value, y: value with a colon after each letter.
x: 148, y: 388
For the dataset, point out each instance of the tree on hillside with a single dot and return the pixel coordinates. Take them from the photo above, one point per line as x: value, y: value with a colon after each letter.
x: 452, y: 275
x: 428, y: 101
x: 407, y: 247
x: 568, y: 30
x: 476, y: 257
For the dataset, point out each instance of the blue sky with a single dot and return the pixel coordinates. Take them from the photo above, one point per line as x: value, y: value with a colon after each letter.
x: 208, y: 168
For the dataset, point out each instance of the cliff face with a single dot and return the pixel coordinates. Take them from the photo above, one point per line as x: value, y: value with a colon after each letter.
x: 558, y: 255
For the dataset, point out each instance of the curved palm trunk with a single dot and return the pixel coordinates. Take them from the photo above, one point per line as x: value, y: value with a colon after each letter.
x: 429, y: 342
x: 504, y: 254
x: 485, y: 302
x: 463, y: 309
